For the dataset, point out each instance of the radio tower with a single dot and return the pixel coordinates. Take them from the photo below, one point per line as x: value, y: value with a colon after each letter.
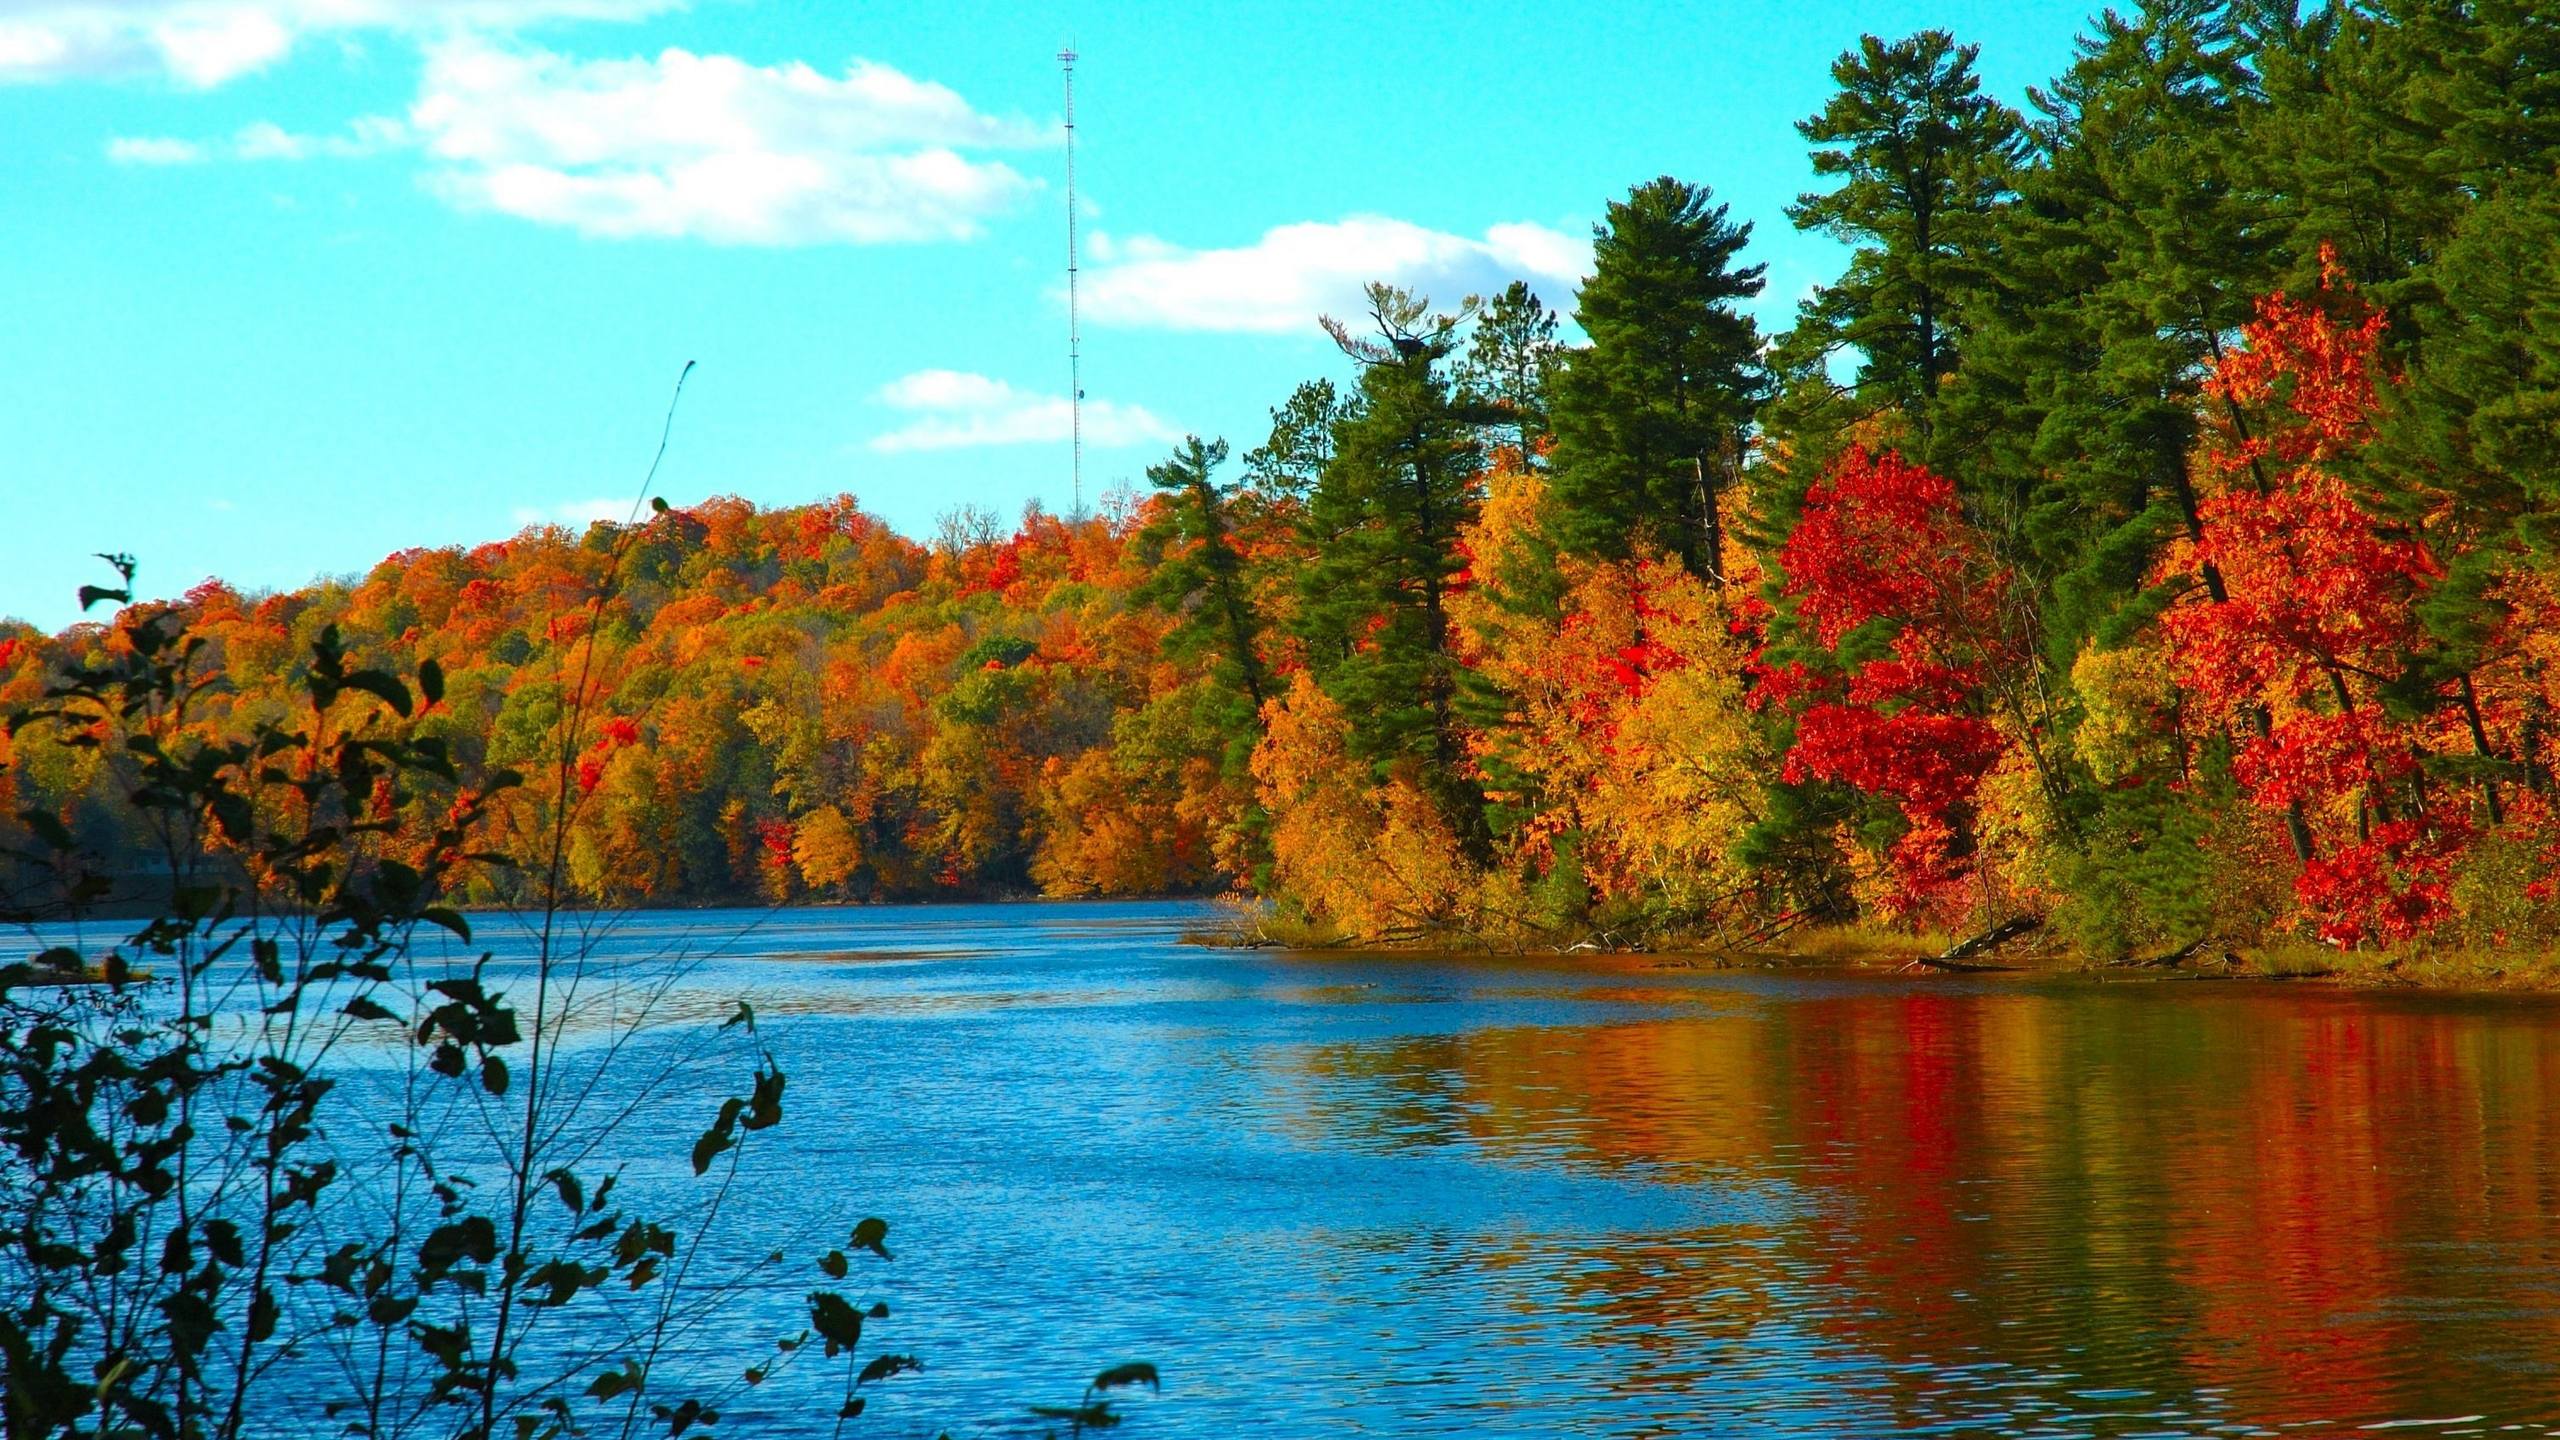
x: 1075, y: 336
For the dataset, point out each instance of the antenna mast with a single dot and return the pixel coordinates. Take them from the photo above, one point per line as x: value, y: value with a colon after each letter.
x: 1075, y: 335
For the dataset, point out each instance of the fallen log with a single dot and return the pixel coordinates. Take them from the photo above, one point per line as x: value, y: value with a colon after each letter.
x: 1956, y: 957
x: 1993, y: 938
x: 2170, y: 961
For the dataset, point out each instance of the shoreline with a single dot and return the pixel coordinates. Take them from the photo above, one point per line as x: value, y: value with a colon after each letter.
x: 2030, y: 953
x: 2031, y: 956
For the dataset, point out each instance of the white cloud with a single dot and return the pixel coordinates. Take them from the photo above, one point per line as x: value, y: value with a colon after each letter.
x: 154, y: 150
x: 712, y: 147
x: 954, y: 409
x: 365, y: 135
x: 577, y: 514
x: 204, y: 43
x: 264, y: 140
x: 946, y: 390
x: 1295, y: 273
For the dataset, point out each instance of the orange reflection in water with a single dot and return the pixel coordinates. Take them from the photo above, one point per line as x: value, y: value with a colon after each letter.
x: 2261, y: 1205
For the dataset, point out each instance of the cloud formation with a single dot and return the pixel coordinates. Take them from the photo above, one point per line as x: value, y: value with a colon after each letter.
x: 365, y: 135
x: 203, y: 43
x: 711, y: 147
x: 155, y: 150
x: 954, y: 409
x: 1295, y: 273
x: 264, y: 140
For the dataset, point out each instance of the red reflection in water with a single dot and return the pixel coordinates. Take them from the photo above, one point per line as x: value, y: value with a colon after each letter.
x: 2273, y: 1206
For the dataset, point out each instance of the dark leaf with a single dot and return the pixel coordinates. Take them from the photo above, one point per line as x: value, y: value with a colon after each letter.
x: 473, y: 1238
x: 1135, y: 1373
x: 708, y: 1148
x: 383, y: 685
x: 884, y: 1366
x: 721, y: 1136
x: 835, y: 1320
x: 560, y: 1281
x: 223, y: 1239
x: 871, y: 1235
x: 48, y: 827
x: 764, y: 1107
x: 262, y: 1316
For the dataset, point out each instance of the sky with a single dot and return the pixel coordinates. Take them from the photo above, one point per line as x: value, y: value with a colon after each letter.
x: 295, y: 284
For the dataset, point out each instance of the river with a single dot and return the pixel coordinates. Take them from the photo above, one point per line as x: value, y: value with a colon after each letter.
x: 1426, y: 1196
x: 1432, y: 1196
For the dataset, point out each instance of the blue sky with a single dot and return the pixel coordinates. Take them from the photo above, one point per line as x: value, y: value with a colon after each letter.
x: 297, y: 283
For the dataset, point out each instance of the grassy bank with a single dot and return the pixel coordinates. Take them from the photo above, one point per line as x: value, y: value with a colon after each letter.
x: 1875, y: 948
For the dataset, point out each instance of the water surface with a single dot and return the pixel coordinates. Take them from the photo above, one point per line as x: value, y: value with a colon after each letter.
x: 1437, y: 1197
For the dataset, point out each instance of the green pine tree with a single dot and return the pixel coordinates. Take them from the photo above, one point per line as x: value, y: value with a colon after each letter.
x: 2134, y: 249
x: 1924, y: 161
x: 1199, y: 575
x: 1651, y: 418
x: 1383, y: 521
x: 1507, y: 365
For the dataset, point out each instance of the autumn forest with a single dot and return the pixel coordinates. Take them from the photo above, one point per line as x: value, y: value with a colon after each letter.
x: 2154, y: 531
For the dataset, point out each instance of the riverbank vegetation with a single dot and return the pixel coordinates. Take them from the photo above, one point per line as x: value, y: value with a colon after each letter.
x: 2151, y: 531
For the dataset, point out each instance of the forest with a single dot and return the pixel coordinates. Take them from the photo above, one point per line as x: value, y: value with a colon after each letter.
x: 2154, y: 531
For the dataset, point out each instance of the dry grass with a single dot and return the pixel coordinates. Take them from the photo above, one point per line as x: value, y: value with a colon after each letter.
x: 2430, y: 967
x: 1861, y: 944
x: 2434, y: 967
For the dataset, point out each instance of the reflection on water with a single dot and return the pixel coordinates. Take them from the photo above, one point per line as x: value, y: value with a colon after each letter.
x: 1446, y: 1197
x: 2106, y: 1209
x: 1417, y: 1196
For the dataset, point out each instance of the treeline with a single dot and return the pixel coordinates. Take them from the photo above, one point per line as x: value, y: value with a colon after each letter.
x: 2152, y: 528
